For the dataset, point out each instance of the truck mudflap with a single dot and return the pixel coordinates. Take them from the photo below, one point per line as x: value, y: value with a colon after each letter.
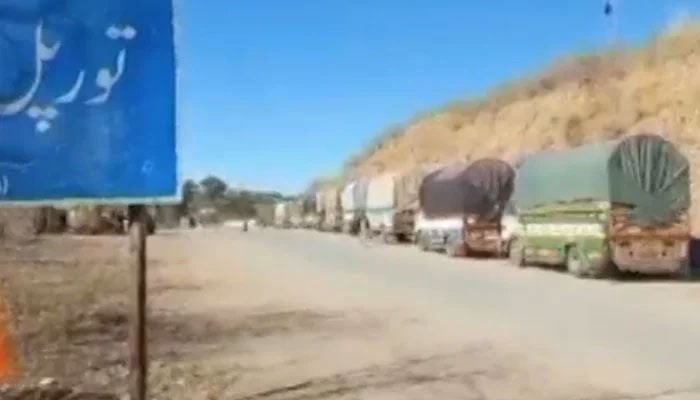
x: 655, y: 249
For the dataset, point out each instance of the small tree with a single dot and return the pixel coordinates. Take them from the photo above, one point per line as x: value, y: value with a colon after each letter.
x: 214, y: 188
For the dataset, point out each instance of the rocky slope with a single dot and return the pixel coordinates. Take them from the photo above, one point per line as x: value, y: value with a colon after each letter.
x: 579, y: 100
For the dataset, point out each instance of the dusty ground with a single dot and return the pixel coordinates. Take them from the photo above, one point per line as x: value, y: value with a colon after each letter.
x: 299, y: 315
x: 270, y: 335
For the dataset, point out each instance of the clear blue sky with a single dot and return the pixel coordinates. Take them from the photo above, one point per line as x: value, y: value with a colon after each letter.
x: 277, y: 92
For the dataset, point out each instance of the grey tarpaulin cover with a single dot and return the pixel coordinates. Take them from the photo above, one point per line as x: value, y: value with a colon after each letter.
x: 481, y: 188
x: 644, y: 171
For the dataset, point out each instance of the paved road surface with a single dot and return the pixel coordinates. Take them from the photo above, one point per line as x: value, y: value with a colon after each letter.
x: 623, y: 340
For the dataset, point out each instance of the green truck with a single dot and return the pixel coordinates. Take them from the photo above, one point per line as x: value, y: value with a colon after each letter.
x: 606, y: 207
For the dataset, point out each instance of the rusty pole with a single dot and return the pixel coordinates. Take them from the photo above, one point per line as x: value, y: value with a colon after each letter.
x: 138, y: 359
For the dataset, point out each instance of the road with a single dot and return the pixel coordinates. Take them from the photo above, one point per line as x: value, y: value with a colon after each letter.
x: 538, y: 334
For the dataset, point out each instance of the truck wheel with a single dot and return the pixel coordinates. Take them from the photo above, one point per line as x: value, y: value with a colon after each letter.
x: 603, y: 270
x: 581, y: 268
x: 574, y: 263
x: 364, y: 230
x: 502, y: 249
x: 516, y: 253
x: 422, y: 242
x: 685, y: 272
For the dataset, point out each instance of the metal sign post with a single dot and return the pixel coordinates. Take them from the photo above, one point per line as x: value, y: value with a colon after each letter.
x: 138, y: 356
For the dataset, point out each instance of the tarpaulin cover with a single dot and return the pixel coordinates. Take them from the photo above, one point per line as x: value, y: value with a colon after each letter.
x: 359, y: 194
x: 481, y: 188
x: 643, y: 171
x: 381, y: 192
x: 331, y: 200
x: 320, y: 201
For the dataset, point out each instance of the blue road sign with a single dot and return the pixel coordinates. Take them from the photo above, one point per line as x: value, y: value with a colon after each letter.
x: 87, y: 101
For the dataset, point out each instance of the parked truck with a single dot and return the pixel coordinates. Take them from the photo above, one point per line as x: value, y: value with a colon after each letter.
x: 282, y: 215
x: 392, y: 204
x: 353, y: 201
x: 309, y: 211
x: 381, y: 206
x: 330, y: 215
x: 407, y: 187
x: 486, y: 223
x: 265, y: 215
x: 295, y: 211
x: 320, y: 209
x: 598, y: 209
x: 462, y: 208
x: 348, y: 207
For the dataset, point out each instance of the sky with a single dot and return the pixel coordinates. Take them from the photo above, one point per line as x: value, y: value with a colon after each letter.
x: 275, y: 93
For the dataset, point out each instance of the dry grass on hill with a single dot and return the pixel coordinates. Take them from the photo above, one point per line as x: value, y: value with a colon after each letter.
x: 578, y: 100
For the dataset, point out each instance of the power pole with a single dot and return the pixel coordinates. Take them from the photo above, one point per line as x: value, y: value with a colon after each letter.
x: 611, y: 11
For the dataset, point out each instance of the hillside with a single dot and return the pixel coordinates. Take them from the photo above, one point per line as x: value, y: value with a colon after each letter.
x: 578, y: 100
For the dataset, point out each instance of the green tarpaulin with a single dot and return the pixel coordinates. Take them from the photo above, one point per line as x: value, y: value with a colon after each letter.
x: 643, y: 171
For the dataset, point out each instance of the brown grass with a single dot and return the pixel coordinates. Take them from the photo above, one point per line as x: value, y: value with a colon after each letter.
x: 578, y: 100
x: 68, y: 298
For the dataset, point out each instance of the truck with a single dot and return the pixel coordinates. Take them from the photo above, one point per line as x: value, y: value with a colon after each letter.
x: 462, y: 207
x: 265, y: 214
x: 330, y: 211
x: 353, y: 202
x: 286, y: 214
x: 604, y: 208
x: 308, y: 211
x: 392, y: 204
x: 407, y: 205
x: 381, y: 207
x: 295, y: 213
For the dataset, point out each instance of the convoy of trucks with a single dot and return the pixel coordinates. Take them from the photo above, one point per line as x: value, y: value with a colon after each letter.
x: 597, y: 209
